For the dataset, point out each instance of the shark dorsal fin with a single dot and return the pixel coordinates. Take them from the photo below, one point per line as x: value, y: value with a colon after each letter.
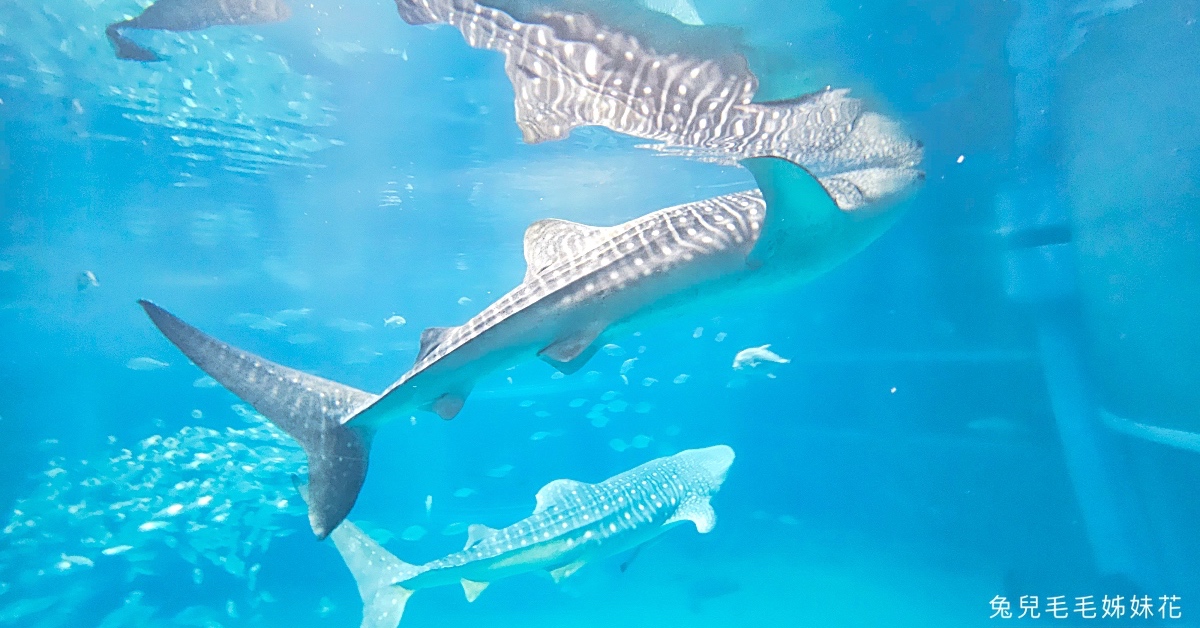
x: 547, y: 241
x: 430, y: 338
x: 697, y: 510
x: 477, y: 532
x: 554, y: 491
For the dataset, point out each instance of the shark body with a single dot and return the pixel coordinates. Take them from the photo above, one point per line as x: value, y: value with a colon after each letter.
x: 574, y: 523
x: 583, y: 284
x: 570, y: 69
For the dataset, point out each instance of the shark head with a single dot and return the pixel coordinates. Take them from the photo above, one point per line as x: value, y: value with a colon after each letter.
x: 710, y: 463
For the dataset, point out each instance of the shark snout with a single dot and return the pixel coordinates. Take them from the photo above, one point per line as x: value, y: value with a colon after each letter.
x: 715, y: 461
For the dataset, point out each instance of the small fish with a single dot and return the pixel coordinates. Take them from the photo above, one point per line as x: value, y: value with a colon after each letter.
x: 78, y: 560
x: 698, y: 332
x: 428, y: 506
x: 500, y: 471
x: 303, y: 339
x: 464, y: 492
x: 613, y: 350
x: 145, y: 364
x: 349, y: 326
x: 610, y: 395
x: 464, y: 300
x: 643, y: 407
x: 649, y: 381
x: 454, y: 529
x: 413, y: 533
x: 618, y: 444
x: 720, y: 337
x: 291, y: 316
x: 641, y: 441
x: 150, y: 526
x: 115, y: 550
x: 788, y: 520
x: 627, y: 366
x: 86, y: 281
x: 577, y: 403
x: 205, y: 382
x: 598, y: 419
x: 525, y: 404
x: 682, y: 378
x: 617, y: 405
x: 394, y: 321
x: 753, y: 356
x: 197, y: 414
x: 197, y: 576
x: 536, y: 436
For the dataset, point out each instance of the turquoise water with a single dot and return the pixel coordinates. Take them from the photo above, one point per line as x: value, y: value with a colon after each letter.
x: 994, y: 399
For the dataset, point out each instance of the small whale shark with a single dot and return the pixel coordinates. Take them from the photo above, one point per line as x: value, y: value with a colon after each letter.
x: 573, y: 524
x: 192, y: 15
x: 568, y: 69
x: 583, y: 284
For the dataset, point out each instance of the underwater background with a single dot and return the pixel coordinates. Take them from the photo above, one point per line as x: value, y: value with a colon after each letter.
x: 964, y: 415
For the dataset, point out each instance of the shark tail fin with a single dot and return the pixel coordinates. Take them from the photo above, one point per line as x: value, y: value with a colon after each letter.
x: 310, y: 409
x: 378, y: 573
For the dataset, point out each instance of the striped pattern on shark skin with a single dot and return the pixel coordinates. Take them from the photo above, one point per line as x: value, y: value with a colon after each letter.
x: 607, y: 260
x: 568, y: 70
x: 573, y: 523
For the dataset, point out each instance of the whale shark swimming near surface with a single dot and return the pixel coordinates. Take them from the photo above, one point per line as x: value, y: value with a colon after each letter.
x: 192, y: 15
x: 570, y: 69
x: 573, y: 524
x: 583, y: 285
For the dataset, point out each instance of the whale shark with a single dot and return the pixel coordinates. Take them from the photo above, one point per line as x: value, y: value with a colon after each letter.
x: 192, y: 15
x: 573, y: 524
x: 570, y: 69
x: 583, y: 285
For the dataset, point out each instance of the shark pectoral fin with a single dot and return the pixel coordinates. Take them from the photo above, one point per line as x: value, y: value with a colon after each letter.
x: 476, y: 532
x: 570, y: 368
x: 555, y: 491
x: 632, y: 556
x: 472, y: 589
x: 565, y: 571
x: 550, y: 240
x: 578, y: 344
x: 699, y: 512
x: 795, y: 200
x: 448, y: 405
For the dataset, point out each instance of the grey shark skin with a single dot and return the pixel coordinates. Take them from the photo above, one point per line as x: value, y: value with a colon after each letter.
x: 573, y: 524
x: 568, y: 69
x: 192, y: 15
x: 583, y: 284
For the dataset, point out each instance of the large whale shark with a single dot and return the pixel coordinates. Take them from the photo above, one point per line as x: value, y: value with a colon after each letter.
x: 583, y: 284
x: 192, y: 15
x: 569, y: 68
x: 573, y: 524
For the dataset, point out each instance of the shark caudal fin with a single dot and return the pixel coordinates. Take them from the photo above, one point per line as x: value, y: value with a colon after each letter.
x: 308, y: 408
x: 378, y: 574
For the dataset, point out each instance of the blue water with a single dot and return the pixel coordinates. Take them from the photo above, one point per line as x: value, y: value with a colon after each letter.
x: 937, y: 440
